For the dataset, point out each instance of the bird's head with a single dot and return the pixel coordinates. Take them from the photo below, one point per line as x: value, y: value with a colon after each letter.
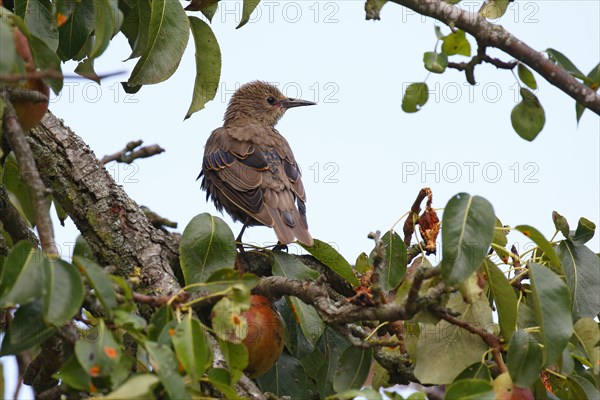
x: 260, y: 101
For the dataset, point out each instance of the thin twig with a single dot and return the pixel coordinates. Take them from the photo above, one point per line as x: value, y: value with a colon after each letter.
x: 491, y: 340
x: 51, y: 74
x: 38, y: 194
x: 129, y: 154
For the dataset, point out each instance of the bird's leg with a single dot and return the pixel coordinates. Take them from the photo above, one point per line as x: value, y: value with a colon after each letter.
x: 238, y: 240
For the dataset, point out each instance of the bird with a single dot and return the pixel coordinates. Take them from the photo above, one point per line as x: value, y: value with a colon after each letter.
x: 249, y: 169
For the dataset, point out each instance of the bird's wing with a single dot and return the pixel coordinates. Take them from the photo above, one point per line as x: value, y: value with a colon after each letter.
x: 254, y: 168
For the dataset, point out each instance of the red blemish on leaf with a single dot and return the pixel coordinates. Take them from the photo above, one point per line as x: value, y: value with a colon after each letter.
x: 93, y: 389
x: 180, y: 367
x: 505, y: 259
x: 110, y: 351
x: 236, y: 320
x: 171, y: 332
x: 61, y: 19
x: 296, y: 313
x: 526, y: 233
x: 95, y: 371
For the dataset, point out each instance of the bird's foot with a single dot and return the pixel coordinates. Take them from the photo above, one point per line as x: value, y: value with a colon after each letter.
x: 281, y: 247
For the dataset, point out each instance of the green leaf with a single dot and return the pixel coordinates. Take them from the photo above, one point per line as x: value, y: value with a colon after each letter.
x: 23, y: 276
x: 321, y: 364
x: 582, y: 388
x: 138, y: 387
x: 82, y: 249
x: 552, y: 306
x: 456, y: 43
x: 494, y: 9
x: 236, y: 356
x: 207, y: 245
x: 438, y: 32
x: 164, y: 364
x: 208, y: 65
x: 594, y: 84
x: 435, y: 62
x: 158, y: 321
x: 286, y: 378
x: 167, y: 40
x: 311, y: 324
x: 98, y: 353
x: 227, y: 321
x: 44, y: 57
x: 39, y: 18
x: 192, y: 348
x: 74, y: 33
x: 581, y: 267
x: 561, y: 224
x: 584, y: 232
x: 65, y: 293
x: 524, y: 359
x: 504, y: 297
x: 140, y: 24
x: 220, y: 379
x: 526, y: 76
x: 587, y: 333
x: 500, y: 239
x: 471, y: 389
x: 11, y: 178
x: 331, y: 258
x: 99, y: 281
x: 290, y: 267
x: 227, y: 278
x: 467, y: 231
x: 103, y: 27
x: 444, y: 350
x: 362, y: 263
x: 207, y: 7
x: 353, y: 368
x: 395, y: 261
x: 72, y: 374
x: 249, y: 6
x: 61, y: 214
x: 415, y: 97
x: 369, y: 394
x: 528, y: 117
x: 8, y: 51
x: 566, y: 64
x: 477, y: 370
x: 544, y: 245
x: 26, y: 330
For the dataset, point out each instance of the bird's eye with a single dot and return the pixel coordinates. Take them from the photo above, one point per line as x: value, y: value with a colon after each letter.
x: 271, y: 100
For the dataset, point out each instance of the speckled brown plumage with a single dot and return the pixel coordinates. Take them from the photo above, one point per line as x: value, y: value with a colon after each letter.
x: 249, y: 169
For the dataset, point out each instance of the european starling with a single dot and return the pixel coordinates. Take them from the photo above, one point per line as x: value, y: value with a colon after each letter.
x: 249, y: 169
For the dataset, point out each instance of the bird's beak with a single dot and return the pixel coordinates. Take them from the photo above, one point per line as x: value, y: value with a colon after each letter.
x: 289, y: 103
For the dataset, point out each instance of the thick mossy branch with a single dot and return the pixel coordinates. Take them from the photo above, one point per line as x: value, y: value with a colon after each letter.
x: 112, y: 223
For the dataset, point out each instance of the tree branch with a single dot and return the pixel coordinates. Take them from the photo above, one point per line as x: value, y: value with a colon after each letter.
x: 30, y: 175
x: 489, y: 34
x: 115, y: 227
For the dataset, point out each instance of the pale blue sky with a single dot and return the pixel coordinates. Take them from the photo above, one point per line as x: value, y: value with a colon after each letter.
x: 363, y: 159
x: 371, y: 158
